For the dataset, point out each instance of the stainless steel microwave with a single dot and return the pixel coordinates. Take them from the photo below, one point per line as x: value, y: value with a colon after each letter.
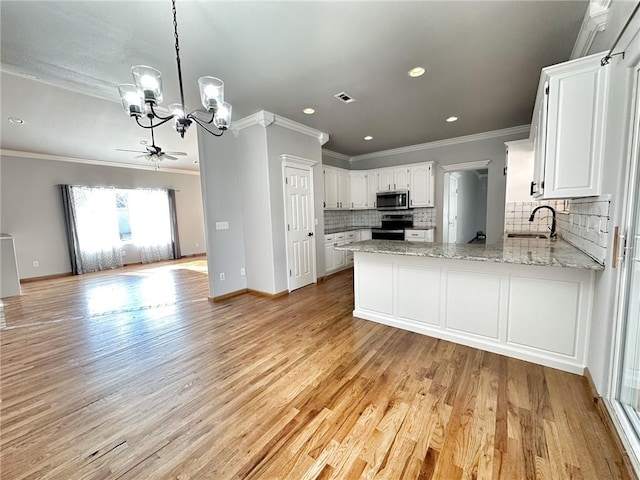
x: 398, y: 200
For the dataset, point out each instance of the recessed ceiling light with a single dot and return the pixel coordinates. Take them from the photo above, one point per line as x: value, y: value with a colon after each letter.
x: 16, y: 120
x: 416, y: 72
x: 368, y: 137
x: 452, y: 119
x: 309, y: 111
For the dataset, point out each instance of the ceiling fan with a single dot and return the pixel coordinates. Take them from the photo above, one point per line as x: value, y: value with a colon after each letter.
x: 153, y: 152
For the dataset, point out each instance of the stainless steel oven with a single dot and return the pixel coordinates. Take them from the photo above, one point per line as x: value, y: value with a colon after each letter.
x: 398, y: 200
x: 392, y: 227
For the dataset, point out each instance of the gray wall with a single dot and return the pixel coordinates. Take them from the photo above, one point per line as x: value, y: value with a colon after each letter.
x: 31, y: 208
x: 222, y: 203
x: 285, y: 141
x: 490, y: 149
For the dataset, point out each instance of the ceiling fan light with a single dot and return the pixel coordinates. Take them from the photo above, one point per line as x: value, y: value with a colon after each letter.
x: 131, y: 101
x: 148, y: 80
x: 223, y: 116
x: 211, y: 92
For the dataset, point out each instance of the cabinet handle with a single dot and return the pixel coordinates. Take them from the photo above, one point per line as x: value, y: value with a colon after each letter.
x: 351, y: 204
x: 394, y: 186
x: 389, y: 187
x: 324, y: 204
x: 531, y: 191
x: 337, y: 204
x: 411, y: 201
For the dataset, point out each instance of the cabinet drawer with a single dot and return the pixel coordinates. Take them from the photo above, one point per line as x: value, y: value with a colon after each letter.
x: 339, y: 236
x: 418, y: 235
x: 351, y: 235
x: 329, y: 238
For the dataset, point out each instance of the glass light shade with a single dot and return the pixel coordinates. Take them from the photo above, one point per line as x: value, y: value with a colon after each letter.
x: 131, y: 101
x: 223, y: 116
x: 148, y: 80
x: 211, y: 92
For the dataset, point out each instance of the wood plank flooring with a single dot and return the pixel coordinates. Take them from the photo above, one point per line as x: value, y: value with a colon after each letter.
x: 133, y: 374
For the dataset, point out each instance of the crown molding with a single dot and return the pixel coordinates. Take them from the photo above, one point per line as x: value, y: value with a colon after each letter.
x: 101, y: 163
x: 264, y: 119
x: 293, y: 160
x: 595, y: 20
x: 332, y: 154
x: 444, y: 143
x: 456, y: 167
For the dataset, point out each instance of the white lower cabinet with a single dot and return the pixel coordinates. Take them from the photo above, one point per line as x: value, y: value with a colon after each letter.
x: 537, y: 314
x: 335, y: 260
x: 418, y: 235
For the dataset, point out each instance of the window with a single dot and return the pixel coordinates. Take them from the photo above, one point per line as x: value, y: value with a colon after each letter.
x: 124, y: 220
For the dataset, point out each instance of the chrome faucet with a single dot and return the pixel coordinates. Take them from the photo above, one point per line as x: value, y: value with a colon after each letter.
x: 553, y: 223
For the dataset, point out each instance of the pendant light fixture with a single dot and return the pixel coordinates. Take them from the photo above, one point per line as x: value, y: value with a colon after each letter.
x: 141, y: 99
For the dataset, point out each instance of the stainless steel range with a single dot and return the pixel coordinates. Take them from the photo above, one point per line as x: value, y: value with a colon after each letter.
x: 392, y: 227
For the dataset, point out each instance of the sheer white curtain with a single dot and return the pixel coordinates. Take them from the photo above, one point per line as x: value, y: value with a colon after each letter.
x: 97, y: 228
x: 151, y: 224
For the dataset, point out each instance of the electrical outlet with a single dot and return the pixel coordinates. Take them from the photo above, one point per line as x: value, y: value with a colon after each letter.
x: 222, y: 225
x: 35, y: 264
x: 242, y: 272
x: 222, y: 277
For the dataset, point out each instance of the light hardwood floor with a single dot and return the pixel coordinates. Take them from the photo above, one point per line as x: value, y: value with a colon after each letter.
x: 134, y: 374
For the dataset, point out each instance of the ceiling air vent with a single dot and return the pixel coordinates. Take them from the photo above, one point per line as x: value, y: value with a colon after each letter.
x: 344, y: 97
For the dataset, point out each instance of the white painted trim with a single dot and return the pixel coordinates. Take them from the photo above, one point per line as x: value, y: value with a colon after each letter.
x: 595, y: 20
x: 299, y: 162
x: 102, y: 163
x: 444, y: 143
x: 455, y: 167
x: 264, y: 119
x: 332, y: 154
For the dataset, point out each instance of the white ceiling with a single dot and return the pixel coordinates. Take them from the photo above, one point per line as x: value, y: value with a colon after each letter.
x: 483, y: 62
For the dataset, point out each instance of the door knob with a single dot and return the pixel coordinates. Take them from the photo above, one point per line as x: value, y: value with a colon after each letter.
x: 311, y: 234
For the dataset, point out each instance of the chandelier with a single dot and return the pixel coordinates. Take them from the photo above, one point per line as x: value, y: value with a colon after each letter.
x: 143, y: 97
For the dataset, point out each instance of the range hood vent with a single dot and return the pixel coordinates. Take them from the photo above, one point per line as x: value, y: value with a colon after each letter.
x: 344, y: 97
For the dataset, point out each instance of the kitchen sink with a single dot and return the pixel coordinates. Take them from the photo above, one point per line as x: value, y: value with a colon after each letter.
x: 526, y: 235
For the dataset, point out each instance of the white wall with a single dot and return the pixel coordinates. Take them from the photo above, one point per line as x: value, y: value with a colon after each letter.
x: 31, y: 207
x: 614, y: 178
x: 222, y: 200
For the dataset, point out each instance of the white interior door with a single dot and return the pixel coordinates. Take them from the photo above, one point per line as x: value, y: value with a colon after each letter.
x: 453, y: 209
x: 300, y: 229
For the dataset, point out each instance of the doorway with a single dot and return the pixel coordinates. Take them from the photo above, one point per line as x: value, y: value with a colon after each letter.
x: 464, y: 211
x: 300, y: 224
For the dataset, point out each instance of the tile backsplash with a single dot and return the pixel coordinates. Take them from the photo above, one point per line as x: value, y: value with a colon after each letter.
x: 582, y: 222
x: 422, y: 217
x: 586, y: 225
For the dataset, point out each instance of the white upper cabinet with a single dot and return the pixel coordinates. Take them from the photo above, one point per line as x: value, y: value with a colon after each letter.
x: 372, y: 188
x: 390, y: 179
x: 343, y: 189
x: 331, y: 188
x: 568, y: 129
x: 421, y: 193
x: 359, y: 189
x: 336, y: 188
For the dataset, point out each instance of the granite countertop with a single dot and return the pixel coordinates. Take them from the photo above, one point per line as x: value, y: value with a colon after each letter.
x: 522, y: 251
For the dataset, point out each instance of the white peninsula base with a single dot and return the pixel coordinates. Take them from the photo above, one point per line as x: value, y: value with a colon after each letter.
x: 534, y: 313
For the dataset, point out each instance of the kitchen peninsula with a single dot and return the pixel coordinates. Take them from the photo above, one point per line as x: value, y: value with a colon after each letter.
x: 526, y: 298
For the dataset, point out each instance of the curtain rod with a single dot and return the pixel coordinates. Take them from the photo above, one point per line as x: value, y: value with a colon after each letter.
x: 605, y: 60
x: 119, y: 188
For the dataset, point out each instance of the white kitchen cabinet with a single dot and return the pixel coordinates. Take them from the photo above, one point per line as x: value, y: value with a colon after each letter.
x: 359, y: 189
x: 365, y: 235
x: 418, y: 235
x: 422, y: 182
x: 568, y: 129
x: 391, y: 179
x: 334, y: 259
x: 336, y: 188
x: 372, y: 188
x: 343, y: 189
